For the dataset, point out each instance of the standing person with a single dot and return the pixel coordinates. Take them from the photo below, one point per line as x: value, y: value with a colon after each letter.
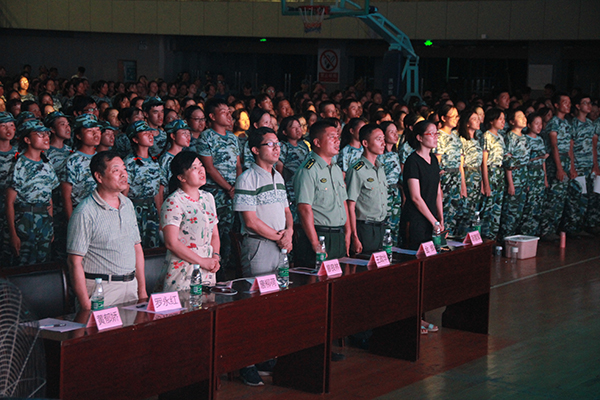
x: 154, y: 111
x: 144, y: 183
x: 7, y: 156
x: 188, y: 219
x: 492, y: 173
x: 391, y: 164
x: 450, y: 157
x: 536, y: 176
x: 220, y: 154
x: 29, y: 197
x: 321, y: 198
x: 103, y: 240
x: 468, y: 127
x: 178, y: 138
x: 293, y: 152
x: 560, y: 167
x: 515, y: 166
x: 196, y: 120
x: 107, y: 139
x: 367, y: 192
x: 350, y: 145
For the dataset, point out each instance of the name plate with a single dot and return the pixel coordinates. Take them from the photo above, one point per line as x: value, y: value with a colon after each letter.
x: 164, y: 302
x: 330, y: 268
x: 426, y: 249
x: 104, y: 319
x: 265, y: 284
x: 473, y: 238
x: 379, y: 259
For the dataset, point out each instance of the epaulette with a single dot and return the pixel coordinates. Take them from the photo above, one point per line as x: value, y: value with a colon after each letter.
x: 358, y: 165
x: 310, y: 163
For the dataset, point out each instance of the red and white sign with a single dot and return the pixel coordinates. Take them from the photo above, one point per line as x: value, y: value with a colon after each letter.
x: 265, y: 284
x: 426, y: 249
x: 164, y: 302
x: 329, y: 66
x: 105, y: 319
x: 379, y: 259
x: 331, y: 268
x: 473, y: 238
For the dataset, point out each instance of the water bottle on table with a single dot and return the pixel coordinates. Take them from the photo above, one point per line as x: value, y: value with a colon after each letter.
x: 387, y: 243
x: 477, y: 222
x: 97, y: 298
x: 283, y: 270
x: 196, y: 287
x: 437, y: 236
x: 321, y: 254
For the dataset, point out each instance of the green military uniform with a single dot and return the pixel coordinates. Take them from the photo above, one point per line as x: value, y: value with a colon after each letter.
x: 366, y: 185
x: 7, y: 159
x: 557, y: 191
x: 321, y: 186
x: 164, y: 163
x: 393, y: 169
x: 491, y: 210
x: 536, y: 193
x: 512, y: 206
x: 450, y: 149
x: 58, y: 159
x: 160, y: 141
x: 77, y: 173
x: 291, y: 157
x: 347, y: 156
x: 224, y: 150
x: 122, y: 145
x: 473, y: 154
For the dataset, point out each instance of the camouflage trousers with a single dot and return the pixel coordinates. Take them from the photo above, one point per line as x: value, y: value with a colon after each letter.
x: 491, y: 210
x: 536, y: 195
x: 392, y: 219
x: 452, y: 203
x: 512, y: 212
x: 148, y: 223
x: 581, y: 210
x: 471, y: 203
x: 35, y: 231
x: 59, y: 245
x: 556, y: 195
x: 227, y: 220
x: 592, y: 213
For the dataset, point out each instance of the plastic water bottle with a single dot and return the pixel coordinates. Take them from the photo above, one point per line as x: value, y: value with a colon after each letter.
x: 477, y: 222
x: 97, y: 298
x: 321, y: 254
x: 283, y: 270
x: 196, y: 287
x: 387, y: 243
x: 437, y: 237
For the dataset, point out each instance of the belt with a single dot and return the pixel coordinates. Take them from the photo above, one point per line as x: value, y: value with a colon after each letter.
x: 536, y: 167
x: 329, y: 229
x: 472, y: 168
x: 375, y: 223
x: 257, y: 237
x: 147, y: 200
x: 112, y: 278
x: 517, y: 167
x: 451, y: 170
x: 30, y: 208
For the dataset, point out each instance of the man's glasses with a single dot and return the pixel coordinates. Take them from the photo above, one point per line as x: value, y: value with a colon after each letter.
x: 271, y: 144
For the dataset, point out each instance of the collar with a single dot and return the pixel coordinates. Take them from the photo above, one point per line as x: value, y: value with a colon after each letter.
x: 261, y: 171
x: 368, y: 163
x: 102, y: 203
x: 322, y: 163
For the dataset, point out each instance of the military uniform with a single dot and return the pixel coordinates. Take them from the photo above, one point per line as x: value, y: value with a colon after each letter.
x: 473, y: 154
x: 224, y: 150
x: 450, y: 149
x: 392, y: 168
x: 144, y: 183
x: 347, y: 156
x: 77, y: 173
x: 164, y: 163
x: 33, y: 181
x: 291, y: 158
x: 367, y: 186
x: 491, y: 210
x: 512, y: 206
x: 321, y: 186
x: 122, y: 145
x: 58, y: 159
x: 536, y: 193
x: 160, y: 141
x: 556, y: 193
x: 7, y: 159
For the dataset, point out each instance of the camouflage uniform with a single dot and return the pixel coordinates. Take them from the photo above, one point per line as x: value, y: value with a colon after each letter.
x: 122, y: 145
x: 512, y: 206
x: 391, y: 166
x: 58, y: 159
x: 491, y: 209
x: 537, y: 189
x: 6, y: 161
x: 347, y: 156
x: 556, y: 193
x: 77, y: 173
x: 450, y: 149
x: 164, y: 162
x: 144, y: 182
x: 33, y: 181
x: 160, y: 141
x: 473, y: 154
x: 224, y: 150
x: 292, y: 157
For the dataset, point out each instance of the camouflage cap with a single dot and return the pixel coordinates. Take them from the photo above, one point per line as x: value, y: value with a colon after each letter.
x: 25, y: 116
x: 152, y: 102
x: 31, y: 126
x: 86, y: 121
x: 174, y: 126
x: 105, y: 125
x: 52, y: 117
x: 137, y: 127
x: 5, y: 117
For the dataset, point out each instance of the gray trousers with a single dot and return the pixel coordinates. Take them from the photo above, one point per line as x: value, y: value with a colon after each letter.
x: 259, y: 256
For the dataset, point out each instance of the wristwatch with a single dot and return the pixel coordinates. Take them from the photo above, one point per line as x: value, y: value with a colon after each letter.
x: 218, y: 255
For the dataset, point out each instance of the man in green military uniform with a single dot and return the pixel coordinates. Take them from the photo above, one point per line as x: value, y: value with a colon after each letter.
x: 321, y: 198
x: 367, y: 192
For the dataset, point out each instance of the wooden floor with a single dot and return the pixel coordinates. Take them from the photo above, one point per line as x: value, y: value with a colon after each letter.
x: 544, y: 342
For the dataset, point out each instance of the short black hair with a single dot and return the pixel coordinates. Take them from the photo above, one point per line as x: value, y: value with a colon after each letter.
x: 81, y: 102
x: 318, y: 128
x: 366, y: 131
x: 255, y: 137
x: 212, y: 104
x: 98, y: 162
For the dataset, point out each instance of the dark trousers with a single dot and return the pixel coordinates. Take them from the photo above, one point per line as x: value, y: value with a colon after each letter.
x: 304, y: 255
x: 370, y: 235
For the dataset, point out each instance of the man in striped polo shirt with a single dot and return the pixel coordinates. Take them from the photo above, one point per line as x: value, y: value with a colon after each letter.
x: 103, y: 240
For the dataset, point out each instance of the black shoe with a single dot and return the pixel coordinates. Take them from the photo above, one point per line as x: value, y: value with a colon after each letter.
x: 250, y: 377
x: 337, y: 356
x: 266, y: 368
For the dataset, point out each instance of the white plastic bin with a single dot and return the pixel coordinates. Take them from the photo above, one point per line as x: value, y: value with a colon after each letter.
x: 527, y: 245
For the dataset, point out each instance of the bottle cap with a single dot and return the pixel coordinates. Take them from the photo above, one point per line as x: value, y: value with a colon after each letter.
x: 98, y: 280
x: 514, y: 250
x: 196, y: 266
x: 321, y: 237
x: 284, y: 251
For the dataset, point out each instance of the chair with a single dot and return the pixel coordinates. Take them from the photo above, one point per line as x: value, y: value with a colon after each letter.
x: 154, y: 262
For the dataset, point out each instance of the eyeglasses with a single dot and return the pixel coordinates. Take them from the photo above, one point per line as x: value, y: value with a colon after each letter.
x: 90, y: 110
x: 271, y: 144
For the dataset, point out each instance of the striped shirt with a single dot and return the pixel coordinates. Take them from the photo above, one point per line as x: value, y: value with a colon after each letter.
x: 104, y: 236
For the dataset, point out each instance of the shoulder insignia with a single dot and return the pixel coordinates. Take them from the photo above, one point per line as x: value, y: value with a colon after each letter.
x: 323, y: 180
x: 310, y: 163
x: 370, y: 179
x: 359, y: 165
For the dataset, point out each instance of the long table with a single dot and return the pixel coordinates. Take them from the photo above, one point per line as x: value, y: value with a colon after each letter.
x: 149, y: 356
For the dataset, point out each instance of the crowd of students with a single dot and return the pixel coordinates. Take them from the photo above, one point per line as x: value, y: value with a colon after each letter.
x: 524, y: 166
